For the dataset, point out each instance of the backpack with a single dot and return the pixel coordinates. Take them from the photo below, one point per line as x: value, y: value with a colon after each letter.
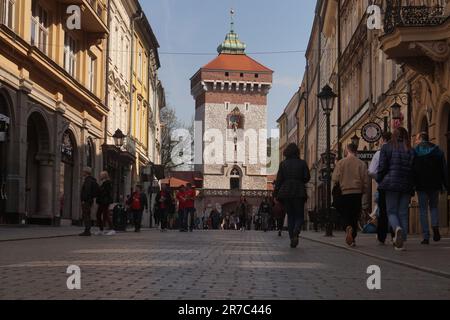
x: 136, y: 202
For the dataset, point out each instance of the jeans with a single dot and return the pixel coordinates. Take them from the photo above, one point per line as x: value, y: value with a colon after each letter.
x: 428, y: 199
x: 350, y: 211
x: 295, y: 209
x: 137, y: 217
x: 397, y: 206
x: 86, y: 212
x: 163, y: 212
x: 383, y: 222
x: 188, y: 220
x: 103, y: 217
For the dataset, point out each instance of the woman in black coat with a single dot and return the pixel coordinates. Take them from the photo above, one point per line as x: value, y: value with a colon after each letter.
x: 290, y: 190
x: 104, y: 200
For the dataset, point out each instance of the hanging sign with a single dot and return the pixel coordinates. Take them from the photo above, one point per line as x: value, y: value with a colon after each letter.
x: 371, y: 132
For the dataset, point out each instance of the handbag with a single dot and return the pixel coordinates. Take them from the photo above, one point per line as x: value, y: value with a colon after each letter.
x: 337, y: 191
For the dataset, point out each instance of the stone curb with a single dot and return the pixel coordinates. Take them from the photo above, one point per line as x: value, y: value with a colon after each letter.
x: 390, y: 260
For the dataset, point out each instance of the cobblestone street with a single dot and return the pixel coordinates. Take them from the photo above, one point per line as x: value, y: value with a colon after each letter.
x: 206, y: 265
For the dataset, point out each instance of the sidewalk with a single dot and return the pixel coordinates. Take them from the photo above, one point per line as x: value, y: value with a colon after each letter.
x: 434, y: 258
x: 30, y: 232
x: 25, y: 232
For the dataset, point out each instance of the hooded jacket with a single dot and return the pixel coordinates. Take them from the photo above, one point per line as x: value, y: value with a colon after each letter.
x: 430, y: 168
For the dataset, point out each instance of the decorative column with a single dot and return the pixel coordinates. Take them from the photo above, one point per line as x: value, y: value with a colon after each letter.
x: 45, y: 192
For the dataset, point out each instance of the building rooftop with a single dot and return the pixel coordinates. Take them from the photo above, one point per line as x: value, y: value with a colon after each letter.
x: 234, y: 62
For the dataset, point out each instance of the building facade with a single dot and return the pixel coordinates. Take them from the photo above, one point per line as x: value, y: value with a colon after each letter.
x: 52, y: 90
x: 405, y: 60
x: 67, y: 83
x: 231, y: 103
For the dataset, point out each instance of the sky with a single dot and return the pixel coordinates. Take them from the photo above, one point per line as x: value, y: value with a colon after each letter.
x: 199, y: 26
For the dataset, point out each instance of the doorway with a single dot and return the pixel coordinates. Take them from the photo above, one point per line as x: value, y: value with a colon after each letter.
x: 37, y: 194
x: 4, y: 128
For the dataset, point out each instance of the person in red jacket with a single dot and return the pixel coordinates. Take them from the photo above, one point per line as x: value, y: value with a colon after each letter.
x: 189, y: 196
x: 181, y: 208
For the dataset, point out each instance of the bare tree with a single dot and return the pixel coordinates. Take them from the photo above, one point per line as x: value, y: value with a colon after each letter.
x: 176, y: 141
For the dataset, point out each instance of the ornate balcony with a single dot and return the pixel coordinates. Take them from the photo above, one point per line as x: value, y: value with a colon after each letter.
x: 93, y: 15
x: 417, y: 33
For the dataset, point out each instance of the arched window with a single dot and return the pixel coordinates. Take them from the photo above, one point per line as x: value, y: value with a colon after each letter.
x: 235, y: 179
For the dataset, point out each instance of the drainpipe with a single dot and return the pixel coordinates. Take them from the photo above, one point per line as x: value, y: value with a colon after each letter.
x: 108, y: 43
x: 136, y: 17
x: 339, y: 105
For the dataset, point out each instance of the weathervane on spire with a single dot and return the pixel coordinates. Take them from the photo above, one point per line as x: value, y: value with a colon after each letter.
x: 232, y: 19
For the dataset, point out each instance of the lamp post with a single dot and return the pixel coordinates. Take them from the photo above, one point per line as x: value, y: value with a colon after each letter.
x: 326, y: 98
x: 119, y: 140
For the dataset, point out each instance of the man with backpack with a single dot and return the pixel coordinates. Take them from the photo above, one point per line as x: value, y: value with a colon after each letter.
x: 137, y: 203
x: 89, y: 191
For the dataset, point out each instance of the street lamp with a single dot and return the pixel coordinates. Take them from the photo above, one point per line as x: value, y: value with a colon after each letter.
x: 119, y: 138
x: 326, y: 98
x: 396, y: 111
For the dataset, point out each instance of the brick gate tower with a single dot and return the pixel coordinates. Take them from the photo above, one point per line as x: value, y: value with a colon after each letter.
x: 230, y: 95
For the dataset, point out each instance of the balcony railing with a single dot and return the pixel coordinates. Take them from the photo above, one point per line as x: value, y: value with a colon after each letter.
x: 407, y: 13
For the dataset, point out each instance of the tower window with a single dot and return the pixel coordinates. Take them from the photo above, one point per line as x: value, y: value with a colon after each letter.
x: 256, y: 75
x: 235, y: 179
x: 227, y: 74
x: 242, y: 75
x: 247, y: 105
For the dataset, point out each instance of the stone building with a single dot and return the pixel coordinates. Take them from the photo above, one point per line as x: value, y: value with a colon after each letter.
x: 52, y: 95
x: 404, y: 61
x: 230, y: 95
x: 64, y: 90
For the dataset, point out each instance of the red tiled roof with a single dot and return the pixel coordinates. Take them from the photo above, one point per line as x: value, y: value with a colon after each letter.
x: 236, y: 62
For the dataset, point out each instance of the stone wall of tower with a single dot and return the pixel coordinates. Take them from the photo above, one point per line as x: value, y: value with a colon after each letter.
x: 251, y: 155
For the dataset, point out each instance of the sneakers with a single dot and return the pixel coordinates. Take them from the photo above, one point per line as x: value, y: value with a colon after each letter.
x: 110, y: 233
x: 425, y: 242
x: 349, y: 236
x: 353, y: 245
x: 279, y: 233
x: 398, y: 240
x: 98, y: 233
x: 86, y: 233
x: 437, y: 234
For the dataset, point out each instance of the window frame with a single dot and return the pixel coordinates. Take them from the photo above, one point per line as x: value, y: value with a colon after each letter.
x: 7, y: 13
x: 92, y: 73
x: 40, y: 27
x: 70, y: 54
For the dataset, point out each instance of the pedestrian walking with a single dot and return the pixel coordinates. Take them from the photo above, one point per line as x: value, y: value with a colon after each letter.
x: 189, y: 195
x: 430, y: 178
x: 242, y: 213
x: 180, y: 196
x: 89, y: 192
x: 290, y: 190
x: 395, y: 178
x: 382, y: 218
x: 265, y: 211
x: 164, y: 201
x: 279, y: 216
x: 138, y: 203
x: 351, y: 177
x: 104, y: 201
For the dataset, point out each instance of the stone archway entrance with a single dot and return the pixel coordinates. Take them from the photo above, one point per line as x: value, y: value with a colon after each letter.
x: 39, y: 170
x: 5, y: 123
